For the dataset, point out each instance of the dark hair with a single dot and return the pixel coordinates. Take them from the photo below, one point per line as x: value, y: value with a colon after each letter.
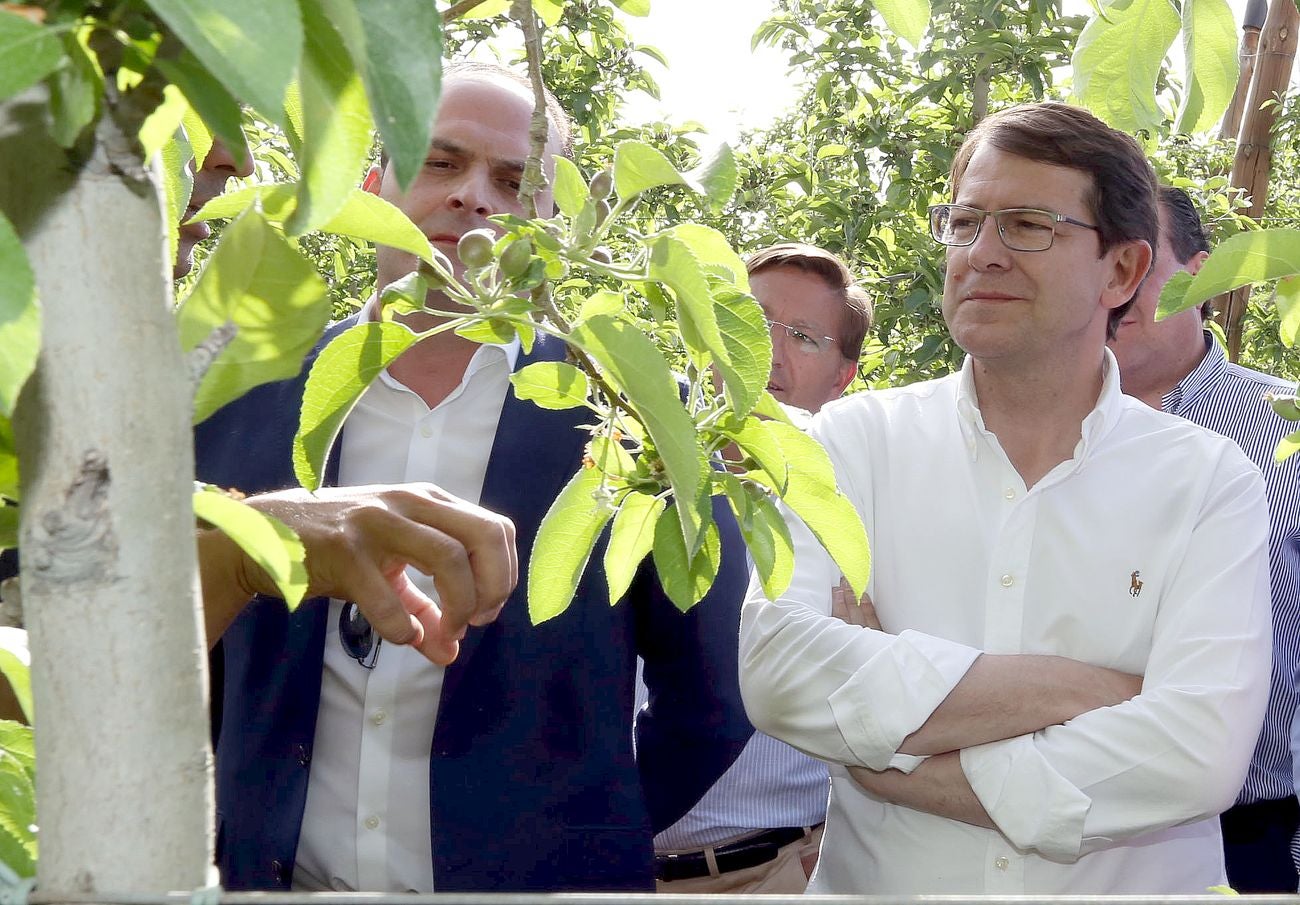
x: 1184, y: 230
x: 1123, y: 197
x: 560, y: 120
x: 855, y: 320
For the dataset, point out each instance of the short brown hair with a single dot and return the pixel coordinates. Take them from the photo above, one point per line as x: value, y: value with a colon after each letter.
x: 855, y: 320
x: 1123, y: 198
x: 1186, y: 232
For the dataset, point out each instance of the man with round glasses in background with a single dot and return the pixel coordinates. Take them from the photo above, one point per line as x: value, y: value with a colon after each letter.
x: 1063, y: 674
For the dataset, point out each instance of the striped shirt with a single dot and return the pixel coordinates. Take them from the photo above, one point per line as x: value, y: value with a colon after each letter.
x: 1229, y: 399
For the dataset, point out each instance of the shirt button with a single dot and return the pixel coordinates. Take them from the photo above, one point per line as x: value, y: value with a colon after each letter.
x: 372, y: 822
x: 1002, y: 863
x: 1007, y: 581
x: 1009, y: 493
x: 426, y: 431
x: 378, y: 717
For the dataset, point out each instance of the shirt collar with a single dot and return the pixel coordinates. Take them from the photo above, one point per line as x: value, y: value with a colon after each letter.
x: 1201, y: 378
x: 1094, y: 426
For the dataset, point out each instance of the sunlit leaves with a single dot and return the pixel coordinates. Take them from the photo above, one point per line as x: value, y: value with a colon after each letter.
x: 551, y: 384
x: 396, y: 45
x: 28, y: 53
x: 906, y: 18
x: 338, y: 377
x: 18, y: 847
x: 1211, y: 66
x: 75, y: 90
x: 260, y: 283
x: 1118, y: 58
x: 177, y: 184
x: 638, y: 166
x: 566, y: 535
x: 766, y: 534
x: 641, y: 371
x: 715, y: 178
x: 8, y: 462
x: 20, y: 317
x: 631, y: 539
x: 570, y: 190
x: 1256, y: 256
x: 336, y: 124
x: 1288, y: 307
x: 634, y: 7
x: 209, y: 98
x: 15, y: 668
x: 251, y: 46
x: 267, y: 541
x: 685, y: 577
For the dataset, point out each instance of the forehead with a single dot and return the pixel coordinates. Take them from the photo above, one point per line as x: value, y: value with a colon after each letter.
x: 477, y: 108
x: 995, y: 179
x: 790, y: 295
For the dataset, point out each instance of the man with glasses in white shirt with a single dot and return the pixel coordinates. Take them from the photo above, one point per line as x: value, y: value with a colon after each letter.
x: 1067, y: 663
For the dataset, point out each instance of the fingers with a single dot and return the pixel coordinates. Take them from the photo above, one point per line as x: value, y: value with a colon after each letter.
x: 847, y: 608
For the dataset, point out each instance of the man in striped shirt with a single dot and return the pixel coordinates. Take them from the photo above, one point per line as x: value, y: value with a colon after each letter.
x: 1176, y: 365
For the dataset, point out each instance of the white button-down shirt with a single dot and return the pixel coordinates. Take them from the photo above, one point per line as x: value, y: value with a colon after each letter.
x: 366, y: 825
x: 1145, y: 552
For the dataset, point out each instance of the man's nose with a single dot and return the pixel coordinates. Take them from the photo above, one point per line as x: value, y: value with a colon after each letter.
x: 473, y: 191
x: 221, y: 160
x: 988, y: 249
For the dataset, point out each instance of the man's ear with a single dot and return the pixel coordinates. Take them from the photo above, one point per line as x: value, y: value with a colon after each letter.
x: 371, y: 183
x: 1194, y: 263
x: 847, y: 375
x: 1132, y: 261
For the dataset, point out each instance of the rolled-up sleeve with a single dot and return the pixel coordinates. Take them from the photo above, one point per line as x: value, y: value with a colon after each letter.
x: 1179, y: 750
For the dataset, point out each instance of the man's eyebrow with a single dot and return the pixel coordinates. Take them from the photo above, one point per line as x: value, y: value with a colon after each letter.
x: 447, y: 147
x: 509, y: 164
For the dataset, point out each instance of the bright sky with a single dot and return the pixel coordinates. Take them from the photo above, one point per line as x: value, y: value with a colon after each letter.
x: 714, y: 78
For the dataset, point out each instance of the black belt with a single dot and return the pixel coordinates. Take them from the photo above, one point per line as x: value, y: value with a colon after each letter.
x: 748, y: 852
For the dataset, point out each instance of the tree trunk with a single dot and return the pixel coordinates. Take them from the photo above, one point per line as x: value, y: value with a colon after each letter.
x: 109, y: 584
x: 1250, y: 169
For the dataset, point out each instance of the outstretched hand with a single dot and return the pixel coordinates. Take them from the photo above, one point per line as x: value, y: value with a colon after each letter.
x: 359, y: 541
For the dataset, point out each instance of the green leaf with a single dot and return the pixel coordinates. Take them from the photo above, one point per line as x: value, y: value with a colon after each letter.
x: 20, y: 317
x: 906, y: 18
x: 405, y: 295
x: 16, y: 741
x: 8, y: 525
x: 339, y: 376
x: 210, y: 100
x: 549, y: 10
x: 1172, y: 295
x: 716, y: 177
x: 251, y: 46
x: 762, y: 445
x: 487, y: 10
x: 1257, y: 256
x: 160, y: 126
x: 1286, y: 447
x: 634, y: 7
x: 336, y: 124
x: 638, y: 167
x: 685, y: 579
x: 610, y: 456
x: 8, y: 460
x: 603, y: 302
x: 1118, y: 58
x: 631, y: 537
x: 1211, y: 66
x: 397, y: 47
x: 639, y: 369
x: 570, y: 188
x: 199, y: 135
x: 178, y: 184
x: 748, y: 342
x: 28, y: 53
x: 261, y: 283
x: 275, y: 200
x: 1286, y: 406
x: 269, y: 542
x: 768, y: 407
x: 766, y: 534
x: 563, y: 545
x: 813, y: 496
x: 1288, y: 308
x: 551, y: 384
x: 15, y: 666
x: 75, y: 90
x: 17, y: 816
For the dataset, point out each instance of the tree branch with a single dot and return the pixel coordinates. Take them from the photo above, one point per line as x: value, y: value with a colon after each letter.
x: 456, y: 10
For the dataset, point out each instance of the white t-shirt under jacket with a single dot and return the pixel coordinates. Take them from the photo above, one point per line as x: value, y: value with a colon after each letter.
x: 1145, y: 552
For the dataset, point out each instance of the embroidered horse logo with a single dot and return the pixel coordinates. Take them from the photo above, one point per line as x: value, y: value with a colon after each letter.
x: 1135, y: 583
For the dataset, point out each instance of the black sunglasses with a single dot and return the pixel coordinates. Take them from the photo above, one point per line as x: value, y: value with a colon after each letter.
x: 357, y: 636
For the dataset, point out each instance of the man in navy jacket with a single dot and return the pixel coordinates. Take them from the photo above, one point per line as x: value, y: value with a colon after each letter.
x: 522, y: 775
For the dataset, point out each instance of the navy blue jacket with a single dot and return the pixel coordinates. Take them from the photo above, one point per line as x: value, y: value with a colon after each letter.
x: 533, y: 782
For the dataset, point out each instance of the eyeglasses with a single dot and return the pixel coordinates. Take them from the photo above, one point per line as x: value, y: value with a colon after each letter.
x: 1021, y: 228
x: 358, y: 637
x: 805, y: 342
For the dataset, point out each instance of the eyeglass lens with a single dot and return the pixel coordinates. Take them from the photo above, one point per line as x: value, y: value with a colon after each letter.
x: 1021, y: 230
